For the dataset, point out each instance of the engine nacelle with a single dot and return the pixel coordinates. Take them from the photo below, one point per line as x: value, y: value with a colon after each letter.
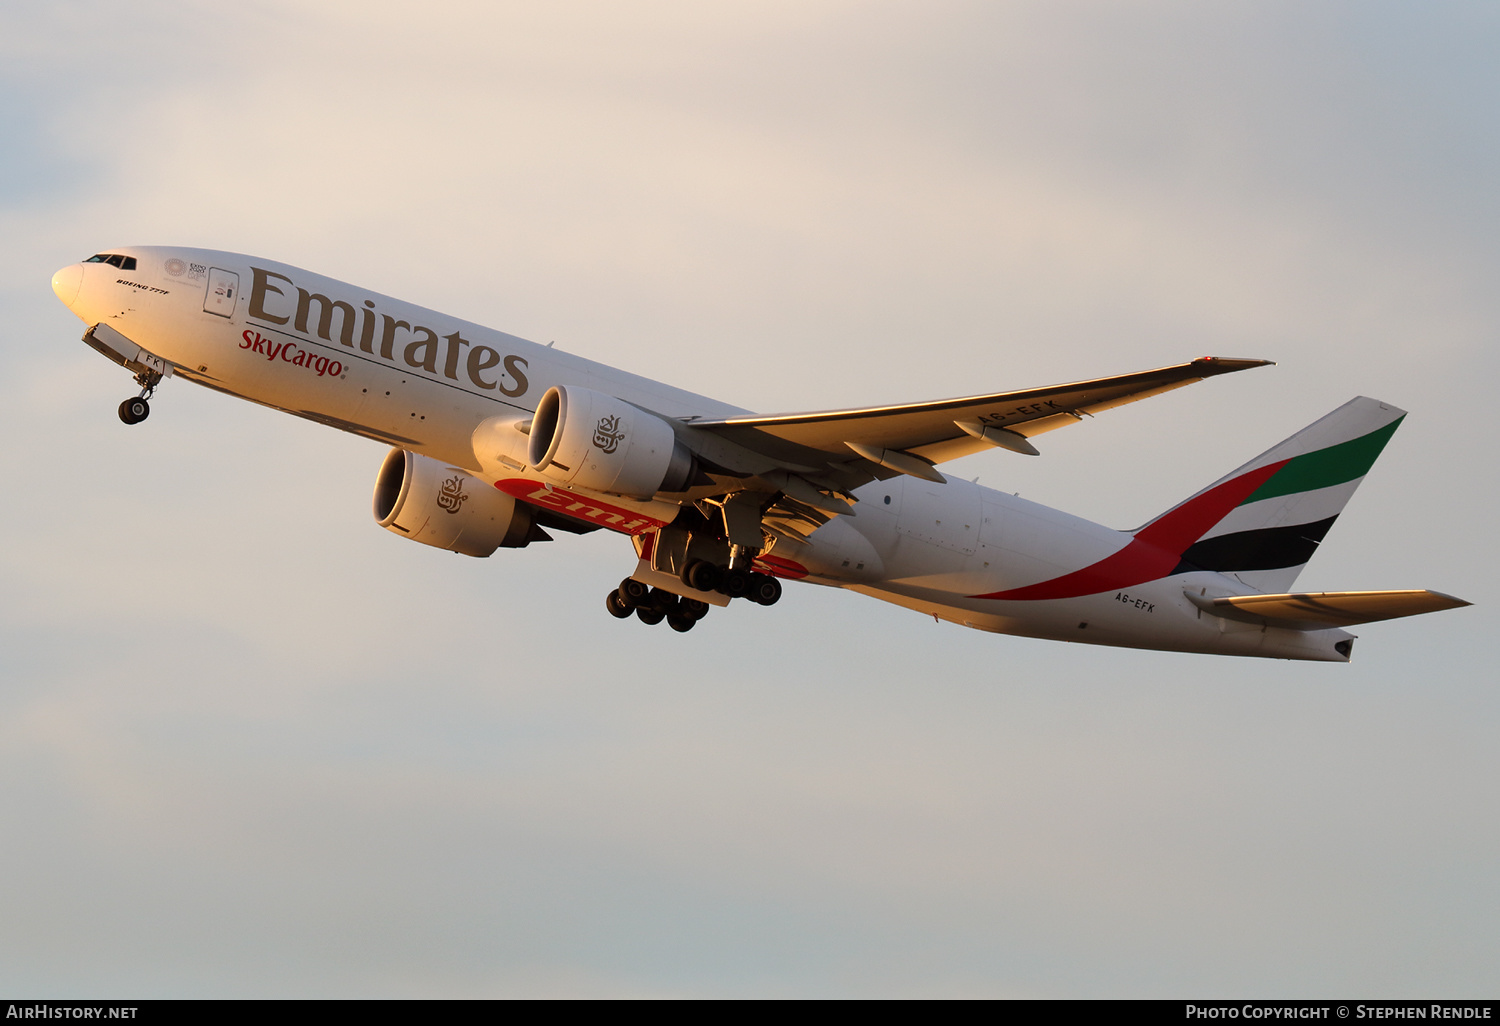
x: 586, y: 439
x: 435, y: 504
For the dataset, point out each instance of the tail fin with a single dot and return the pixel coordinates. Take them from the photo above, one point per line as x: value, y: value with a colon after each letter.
x: 1263, y: 522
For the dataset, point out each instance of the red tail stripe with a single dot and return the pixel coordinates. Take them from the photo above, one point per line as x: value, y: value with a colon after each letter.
x: 1156, y: 548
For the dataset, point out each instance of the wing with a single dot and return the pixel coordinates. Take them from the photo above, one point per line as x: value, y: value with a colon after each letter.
x: 910, y: 438
x: 805, y: 465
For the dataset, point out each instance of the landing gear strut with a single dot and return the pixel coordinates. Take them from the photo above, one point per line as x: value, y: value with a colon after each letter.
x: 133, y: 411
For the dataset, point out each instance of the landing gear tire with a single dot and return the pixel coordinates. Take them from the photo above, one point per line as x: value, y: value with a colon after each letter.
x: 681, y: 624
x: 701, y: 575
x: 736, y: 583
x: 649, y: 616
x: 665, y: 601
x: 765, y: 589
x: 693, y: 609
x: 632, y: 592
x: 617, y: 609
x: 133, y: 411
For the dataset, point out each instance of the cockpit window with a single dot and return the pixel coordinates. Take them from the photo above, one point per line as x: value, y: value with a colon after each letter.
x: 124, y: 263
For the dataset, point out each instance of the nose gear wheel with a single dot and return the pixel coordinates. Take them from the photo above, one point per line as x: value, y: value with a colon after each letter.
x: 133, y: 411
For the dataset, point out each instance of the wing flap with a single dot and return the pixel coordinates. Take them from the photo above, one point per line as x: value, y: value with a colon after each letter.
x: 1319, y: 610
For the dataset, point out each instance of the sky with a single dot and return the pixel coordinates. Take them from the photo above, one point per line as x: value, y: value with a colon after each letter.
x: 253, y: 746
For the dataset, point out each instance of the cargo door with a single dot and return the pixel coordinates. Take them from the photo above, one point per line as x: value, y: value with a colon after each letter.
x: 947, y: 515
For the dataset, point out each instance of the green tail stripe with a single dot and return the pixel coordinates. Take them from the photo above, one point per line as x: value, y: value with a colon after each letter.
x: 1327, y: 467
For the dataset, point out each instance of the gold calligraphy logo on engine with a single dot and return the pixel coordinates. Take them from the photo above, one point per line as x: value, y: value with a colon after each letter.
x: 607, y: 435
x: 451, y: 495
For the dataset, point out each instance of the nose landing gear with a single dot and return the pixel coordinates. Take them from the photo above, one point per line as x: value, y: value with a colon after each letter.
x: 133, y: 411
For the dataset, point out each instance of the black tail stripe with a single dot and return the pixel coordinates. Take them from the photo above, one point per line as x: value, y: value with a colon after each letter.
x: 1268, y: 548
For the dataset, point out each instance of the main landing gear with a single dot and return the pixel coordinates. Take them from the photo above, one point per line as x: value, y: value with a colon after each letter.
x: 133, y: 411
x: 736, y: 582
x: 653, y: 605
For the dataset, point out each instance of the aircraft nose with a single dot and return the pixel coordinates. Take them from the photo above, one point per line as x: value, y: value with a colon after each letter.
x: 66, y: 282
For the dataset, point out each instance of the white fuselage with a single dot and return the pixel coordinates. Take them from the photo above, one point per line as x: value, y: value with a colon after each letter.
x: 422, y: 381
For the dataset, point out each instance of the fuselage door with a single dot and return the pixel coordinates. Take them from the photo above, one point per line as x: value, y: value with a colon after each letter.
x: 947, y: 515
x: 223, y: 292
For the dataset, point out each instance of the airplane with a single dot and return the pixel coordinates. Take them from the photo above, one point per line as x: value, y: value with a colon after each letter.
x: 497, y: 441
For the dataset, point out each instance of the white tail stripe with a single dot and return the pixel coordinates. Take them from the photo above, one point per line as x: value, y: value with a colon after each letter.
x: 1283, y: 510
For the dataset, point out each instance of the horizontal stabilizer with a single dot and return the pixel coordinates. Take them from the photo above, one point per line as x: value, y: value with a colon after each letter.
x: 1320, y: 610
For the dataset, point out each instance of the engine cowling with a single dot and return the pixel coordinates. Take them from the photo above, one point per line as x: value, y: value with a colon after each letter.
x: 586, y: 439
x: 430, y: 502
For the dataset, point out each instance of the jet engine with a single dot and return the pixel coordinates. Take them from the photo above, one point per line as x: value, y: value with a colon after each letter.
x: 435, y: 504
x: 586, y: 439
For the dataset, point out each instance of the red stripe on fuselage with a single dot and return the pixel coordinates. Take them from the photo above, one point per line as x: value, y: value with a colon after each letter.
x: 780, y: 566
x: 579, y: 507
x: 1156, y: 548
